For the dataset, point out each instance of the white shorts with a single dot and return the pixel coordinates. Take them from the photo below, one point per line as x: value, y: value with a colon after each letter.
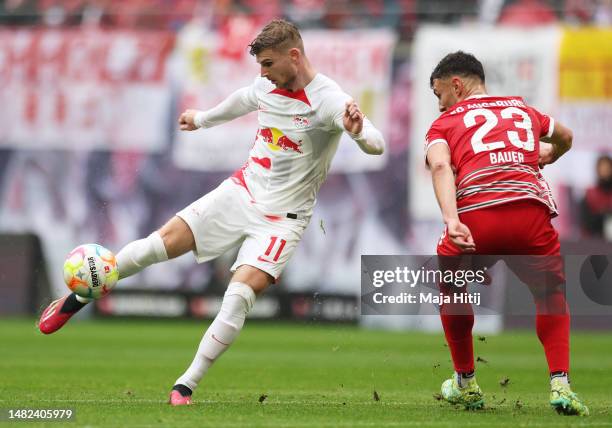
x: 226, y: 218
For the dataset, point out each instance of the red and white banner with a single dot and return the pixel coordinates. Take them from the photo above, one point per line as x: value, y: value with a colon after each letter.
x: 208, y: 74
x: 84, y: 89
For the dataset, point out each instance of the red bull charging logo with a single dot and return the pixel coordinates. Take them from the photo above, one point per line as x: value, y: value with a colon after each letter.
x: 276, y: 140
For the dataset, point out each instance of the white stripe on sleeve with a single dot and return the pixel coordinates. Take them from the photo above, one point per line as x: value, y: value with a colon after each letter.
x: 551, y: 127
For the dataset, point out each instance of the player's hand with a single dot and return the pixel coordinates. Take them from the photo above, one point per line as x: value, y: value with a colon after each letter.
x: 546, y: 155
x: 186, y: 120
x: 353, y: 117
x: 461, y: 236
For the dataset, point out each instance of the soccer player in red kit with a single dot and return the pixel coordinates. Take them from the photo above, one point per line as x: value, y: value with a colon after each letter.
x: 484, y: 154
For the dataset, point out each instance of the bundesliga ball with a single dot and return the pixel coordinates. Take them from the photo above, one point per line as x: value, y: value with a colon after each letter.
x: 90, y: 270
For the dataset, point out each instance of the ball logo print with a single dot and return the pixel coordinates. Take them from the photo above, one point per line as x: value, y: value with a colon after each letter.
x: 90, y: 270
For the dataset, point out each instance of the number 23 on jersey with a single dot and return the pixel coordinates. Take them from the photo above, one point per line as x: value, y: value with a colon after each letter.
x: 522, y: 121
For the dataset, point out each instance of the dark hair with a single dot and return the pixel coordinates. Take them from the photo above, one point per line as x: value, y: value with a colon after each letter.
x: 459, y: 63
x: 277, y: 34
x: 603, y: 158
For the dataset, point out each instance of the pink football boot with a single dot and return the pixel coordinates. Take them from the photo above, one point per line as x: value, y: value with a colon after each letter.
x: 180, y: 395
x: 53, y: 318
x: 176, y: 399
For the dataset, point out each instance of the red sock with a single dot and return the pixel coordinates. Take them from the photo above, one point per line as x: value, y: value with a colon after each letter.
x: 458, y: 320
x: 553, y: 327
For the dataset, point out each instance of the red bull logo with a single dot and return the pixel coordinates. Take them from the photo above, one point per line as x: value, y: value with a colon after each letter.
x: 276, y: 140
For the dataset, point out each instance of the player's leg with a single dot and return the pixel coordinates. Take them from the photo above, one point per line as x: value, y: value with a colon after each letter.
x: 261, y: 259
x: 197, y: 227
x: 457, y: 321
x: 457, y: 315
x: 544, y: 275
x: 171, y: 240
x: 246, y: 283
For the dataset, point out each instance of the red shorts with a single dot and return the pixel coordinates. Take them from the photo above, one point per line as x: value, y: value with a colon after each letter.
x: 522, y: 228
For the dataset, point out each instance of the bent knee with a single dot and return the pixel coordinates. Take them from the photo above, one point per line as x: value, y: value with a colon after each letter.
x: 177, y: 237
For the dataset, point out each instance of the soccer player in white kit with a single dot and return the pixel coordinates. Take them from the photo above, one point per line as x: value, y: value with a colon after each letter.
x: 266, y: 205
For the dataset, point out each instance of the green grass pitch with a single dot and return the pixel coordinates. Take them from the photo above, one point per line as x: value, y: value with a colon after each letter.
x: 118, y: 374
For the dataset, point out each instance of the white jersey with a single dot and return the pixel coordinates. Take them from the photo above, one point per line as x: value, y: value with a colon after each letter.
x: 297, y: 138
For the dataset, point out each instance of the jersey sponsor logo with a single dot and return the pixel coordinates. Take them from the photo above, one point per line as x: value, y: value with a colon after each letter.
x: 276, y: 140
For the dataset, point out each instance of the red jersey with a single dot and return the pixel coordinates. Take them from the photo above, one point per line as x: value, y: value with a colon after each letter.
x: 494, y: 144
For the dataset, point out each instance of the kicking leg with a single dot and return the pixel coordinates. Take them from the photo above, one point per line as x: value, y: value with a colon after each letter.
x: 171, y: 240
x: 238, y: 300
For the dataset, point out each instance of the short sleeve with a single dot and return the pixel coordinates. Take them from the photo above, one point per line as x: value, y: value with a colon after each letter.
x: 435, y: 135
x: 547, y: 123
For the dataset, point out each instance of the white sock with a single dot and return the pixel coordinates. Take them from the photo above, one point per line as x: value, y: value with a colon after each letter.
x: 464, y: 378
x: 562, y: 376
x: 82, y: 299
x: 237, y: 302
x: 137, y: 255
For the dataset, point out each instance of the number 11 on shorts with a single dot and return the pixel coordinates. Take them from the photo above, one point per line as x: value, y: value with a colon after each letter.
x: 275, y: 244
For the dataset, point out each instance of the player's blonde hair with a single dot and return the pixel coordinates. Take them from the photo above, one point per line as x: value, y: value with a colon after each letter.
x: 277, y: 34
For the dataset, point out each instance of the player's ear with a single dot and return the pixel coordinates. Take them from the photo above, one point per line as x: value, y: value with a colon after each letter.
x: 294, y: 54
x: 457, y: 86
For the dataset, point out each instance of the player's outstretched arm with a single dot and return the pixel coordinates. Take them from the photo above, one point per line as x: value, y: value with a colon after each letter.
x: 439, y: 160
x: 555, y: 146
x: 362, y: 131
x: 237, y: 104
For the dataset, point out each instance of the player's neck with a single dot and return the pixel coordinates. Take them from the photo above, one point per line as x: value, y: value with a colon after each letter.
x: 303, y: 78
x: 475, y: 92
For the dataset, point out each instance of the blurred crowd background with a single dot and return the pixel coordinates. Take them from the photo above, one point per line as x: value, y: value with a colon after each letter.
x: 111, y: 194
x: 402, y: 16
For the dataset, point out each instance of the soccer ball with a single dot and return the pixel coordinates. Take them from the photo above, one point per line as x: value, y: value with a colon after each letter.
x: 90, y: 270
